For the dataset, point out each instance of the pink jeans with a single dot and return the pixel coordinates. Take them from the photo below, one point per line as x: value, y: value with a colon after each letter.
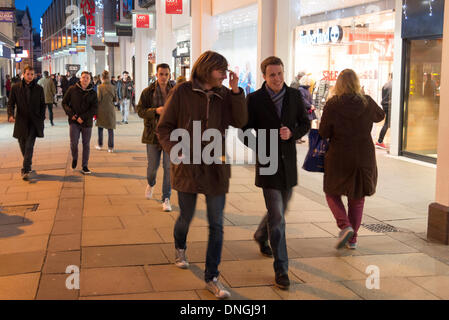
x: 354, y: 216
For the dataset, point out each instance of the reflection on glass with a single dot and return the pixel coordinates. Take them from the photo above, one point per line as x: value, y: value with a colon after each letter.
x: 423, y: 101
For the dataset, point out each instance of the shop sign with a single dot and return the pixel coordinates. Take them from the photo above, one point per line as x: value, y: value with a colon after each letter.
x: 316, y: 37
x: 143, y: 21
x: 73, y: 68
x: 90, y: 31
x: 330, y: 75
x: 7, y: 16
x: 173, y: 6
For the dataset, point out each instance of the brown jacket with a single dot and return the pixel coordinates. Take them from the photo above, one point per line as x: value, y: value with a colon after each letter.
x: 187, y: 103
x: 350, y: 164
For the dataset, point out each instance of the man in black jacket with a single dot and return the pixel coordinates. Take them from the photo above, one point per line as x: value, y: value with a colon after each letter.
x: 29, y: 118
x: 279, y: 107
x: 80, y: 104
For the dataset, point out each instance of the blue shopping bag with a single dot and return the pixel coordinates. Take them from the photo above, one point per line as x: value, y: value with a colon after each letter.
x: 318, y: 147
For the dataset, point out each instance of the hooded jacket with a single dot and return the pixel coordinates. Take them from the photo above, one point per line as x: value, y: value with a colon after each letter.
x: 81, y: 103
x: 350, y: 164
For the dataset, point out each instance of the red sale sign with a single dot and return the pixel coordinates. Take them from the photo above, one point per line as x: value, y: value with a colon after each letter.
x: 90, y: 31
x: 173, y: 6
x: 143, y: 21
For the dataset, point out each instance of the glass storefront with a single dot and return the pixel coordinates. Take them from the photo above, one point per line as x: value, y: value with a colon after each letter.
x: 237, y: 42
x: 363, y: 43
x: 422, y: 97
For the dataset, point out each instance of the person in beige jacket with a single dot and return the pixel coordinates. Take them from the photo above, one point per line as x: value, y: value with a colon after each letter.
x: 107, y: 95
x: 49, y: 92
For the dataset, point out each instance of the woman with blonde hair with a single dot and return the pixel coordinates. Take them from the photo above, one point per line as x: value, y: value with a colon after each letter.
x: 350, y: 163
x: 107, y: 95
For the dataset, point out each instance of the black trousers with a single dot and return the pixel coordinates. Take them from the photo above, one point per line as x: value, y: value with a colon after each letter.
x: 50, y: 111
x: 27, y: 148
x: 384, y: 130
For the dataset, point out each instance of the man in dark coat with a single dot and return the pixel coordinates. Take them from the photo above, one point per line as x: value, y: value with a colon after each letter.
x: 29, y: 117
x: 279, y: 107
x: 150, y: 108
x: 81, y: 104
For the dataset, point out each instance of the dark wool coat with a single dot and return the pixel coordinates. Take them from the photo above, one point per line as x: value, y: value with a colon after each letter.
x: 187, y: 103
x: 28, y: 113
x: 263, y: 115
x: 82, y: 103
x: 350, y: 164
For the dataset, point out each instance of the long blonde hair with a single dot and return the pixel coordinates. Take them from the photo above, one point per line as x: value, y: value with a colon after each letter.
x: 348, y: 83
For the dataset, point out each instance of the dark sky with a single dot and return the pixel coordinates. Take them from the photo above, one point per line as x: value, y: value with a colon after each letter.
x: 37, y: 9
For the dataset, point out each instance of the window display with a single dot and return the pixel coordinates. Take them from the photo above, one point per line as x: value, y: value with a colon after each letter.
x: 237, y: 42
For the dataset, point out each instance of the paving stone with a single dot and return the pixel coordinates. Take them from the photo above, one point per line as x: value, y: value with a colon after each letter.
x: 69, y: 242
x: 112, y: 211
x: 318, y: 247
x: 171, y: 278
x: 318, y: 291
x: 390, y: 289
x: 67, y: 227
x: 41, y: 215
x: 114, y: 281
x: 304, y: 230
x: 101, y: 223
x: 120, y: 237
x: 249, y: 293
x: 53, y: 287
x: 17, y: 263
x: 24, y: 244
x: 400, y: 265
x: 196, y: 252
x: 250, y: 273
x: 324, y: 269
x: 172, y: 295
x: 159, y: 220
x: 410, y: 225
x: 57, y: 262
x: 19, y: 287
x: 94, y: 257
x: 72, y: 193
x: 437, y: 285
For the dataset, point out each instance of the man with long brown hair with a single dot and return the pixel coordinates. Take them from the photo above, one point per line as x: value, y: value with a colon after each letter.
x: 204, y: 102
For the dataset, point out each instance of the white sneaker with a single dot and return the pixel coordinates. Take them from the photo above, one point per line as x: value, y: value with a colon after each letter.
x: 98, y: 148
x: 111, y: 150
x: 166, y: 206
x: 149, y: 192
x: 217, y: 289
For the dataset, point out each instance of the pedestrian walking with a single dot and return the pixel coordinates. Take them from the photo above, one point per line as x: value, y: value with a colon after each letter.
x: 150, y: 108
x: 8, y: 84
x: 80, y: 104
x: 49, y: 91
x: 26, y: 107
x: 350, y: 163
x: 107, y: 95
x: 126, y: 93
x: 202, y: 101
x: 277, y: 106
x: 386, y: 105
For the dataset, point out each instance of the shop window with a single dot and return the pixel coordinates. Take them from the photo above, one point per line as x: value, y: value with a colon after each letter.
x: 422, y: 97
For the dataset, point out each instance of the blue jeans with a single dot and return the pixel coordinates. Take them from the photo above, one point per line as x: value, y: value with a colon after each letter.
x: 75, y: 131
x: 215, y: 207
x: 272, y: 226
x: 154, y: 153
x: 110, y: 138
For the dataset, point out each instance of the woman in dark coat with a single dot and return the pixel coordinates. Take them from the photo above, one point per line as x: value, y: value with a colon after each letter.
x: 350, y: 164
x: 107, y: 95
